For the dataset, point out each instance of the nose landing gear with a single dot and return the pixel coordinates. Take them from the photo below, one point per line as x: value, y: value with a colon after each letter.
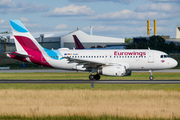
x: 150, y: 73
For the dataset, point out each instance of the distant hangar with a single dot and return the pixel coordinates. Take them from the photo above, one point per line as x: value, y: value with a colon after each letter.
x: 55, y: 40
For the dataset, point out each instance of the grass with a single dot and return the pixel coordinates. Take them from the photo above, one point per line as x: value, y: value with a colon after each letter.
x: 84, y: 76
x: 76, y: 117
x: 91, y: 103
x: 167, y: 87
x: 81, y: 102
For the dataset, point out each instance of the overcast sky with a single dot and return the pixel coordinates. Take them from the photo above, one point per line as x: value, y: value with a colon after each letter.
x: 115, y: 18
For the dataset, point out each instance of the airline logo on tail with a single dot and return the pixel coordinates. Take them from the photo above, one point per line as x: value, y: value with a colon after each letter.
x: 18, y: 26
x: 78, y: 43
x: 27, y: 45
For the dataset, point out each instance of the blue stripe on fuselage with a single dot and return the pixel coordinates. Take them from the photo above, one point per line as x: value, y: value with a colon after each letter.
x: 54, y: 54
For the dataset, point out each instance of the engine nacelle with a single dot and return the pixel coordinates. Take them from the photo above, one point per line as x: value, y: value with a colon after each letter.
x: 112, y: 70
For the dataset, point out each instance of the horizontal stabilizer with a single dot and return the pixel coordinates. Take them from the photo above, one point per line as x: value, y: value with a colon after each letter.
x: 18, y: 54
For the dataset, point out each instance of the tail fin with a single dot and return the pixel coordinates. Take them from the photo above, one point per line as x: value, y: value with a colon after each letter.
x: 26, y: 45
x: 24, y: 41
x: 78, y: 43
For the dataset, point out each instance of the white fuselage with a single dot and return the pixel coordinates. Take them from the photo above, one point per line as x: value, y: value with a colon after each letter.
x: 131, y: 59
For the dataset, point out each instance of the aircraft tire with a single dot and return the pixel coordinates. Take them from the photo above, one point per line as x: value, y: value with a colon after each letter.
x: 97, y: 77
x: 91, y: 77
x: 151, y: 77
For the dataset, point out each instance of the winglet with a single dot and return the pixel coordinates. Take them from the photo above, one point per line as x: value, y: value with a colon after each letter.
x: 78, y: 43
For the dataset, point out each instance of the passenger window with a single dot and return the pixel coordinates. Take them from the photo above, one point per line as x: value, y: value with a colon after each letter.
x: 100, y: 56
x: 144, y: 56
x: 94, y: 56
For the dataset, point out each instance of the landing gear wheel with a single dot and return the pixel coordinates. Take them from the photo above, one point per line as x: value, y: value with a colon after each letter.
x: 91, y: 77
x: 97, y: 77
x: 151, y: 77
x: 150, y: 73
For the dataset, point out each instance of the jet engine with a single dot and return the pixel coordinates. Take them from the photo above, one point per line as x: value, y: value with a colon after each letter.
x: 112, y: 70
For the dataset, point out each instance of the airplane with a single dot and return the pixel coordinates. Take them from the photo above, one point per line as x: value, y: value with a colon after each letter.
x: 113, y: 62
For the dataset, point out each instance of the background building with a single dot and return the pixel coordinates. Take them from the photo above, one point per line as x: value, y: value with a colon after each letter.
x: 55, y: 40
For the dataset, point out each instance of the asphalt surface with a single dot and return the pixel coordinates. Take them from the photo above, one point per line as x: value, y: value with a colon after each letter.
x: 86, y: 81
x: 65, y: 71
x: 93, y: 82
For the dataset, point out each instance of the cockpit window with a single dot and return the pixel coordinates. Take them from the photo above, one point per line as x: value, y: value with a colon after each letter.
x: 164, y: 56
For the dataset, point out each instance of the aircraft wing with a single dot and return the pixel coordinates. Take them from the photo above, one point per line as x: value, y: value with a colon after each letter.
x: 80, y: 61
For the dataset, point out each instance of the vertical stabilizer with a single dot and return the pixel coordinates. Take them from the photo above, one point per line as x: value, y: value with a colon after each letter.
x: 26, y: 45
x: 78, y: 43
x: 23, y: 39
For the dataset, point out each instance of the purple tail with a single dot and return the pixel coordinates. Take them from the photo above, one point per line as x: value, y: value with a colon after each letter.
x: 78, y: 43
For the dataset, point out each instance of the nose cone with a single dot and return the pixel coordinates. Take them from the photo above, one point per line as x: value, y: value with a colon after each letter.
x: 174, y: 63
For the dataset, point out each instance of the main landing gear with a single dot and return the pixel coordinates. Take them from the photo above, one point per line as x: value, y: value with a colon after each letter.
x: 150, y: 73
x: 94, y: 77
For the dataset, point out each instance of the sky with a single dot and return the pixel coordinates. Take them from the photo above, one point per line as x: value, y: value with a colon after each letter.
x: 111, y: 18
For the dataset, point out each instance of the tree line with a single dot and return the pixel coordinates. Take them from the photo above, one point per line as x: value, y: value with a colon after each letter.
x: 156, y: 43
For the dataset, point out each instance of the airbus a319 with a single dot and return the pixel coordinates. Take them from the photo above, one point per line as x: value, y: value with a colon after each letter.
x: 112, y: 62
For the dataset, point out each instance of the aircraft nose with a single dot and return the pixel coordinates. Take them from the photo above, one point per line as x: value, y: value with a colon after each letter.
x: 174, y: 63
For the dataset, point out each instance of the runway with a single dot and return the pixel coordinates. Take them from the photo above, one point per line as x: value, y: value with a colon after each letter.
x: 67, y: 71
x: 92, y: 82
